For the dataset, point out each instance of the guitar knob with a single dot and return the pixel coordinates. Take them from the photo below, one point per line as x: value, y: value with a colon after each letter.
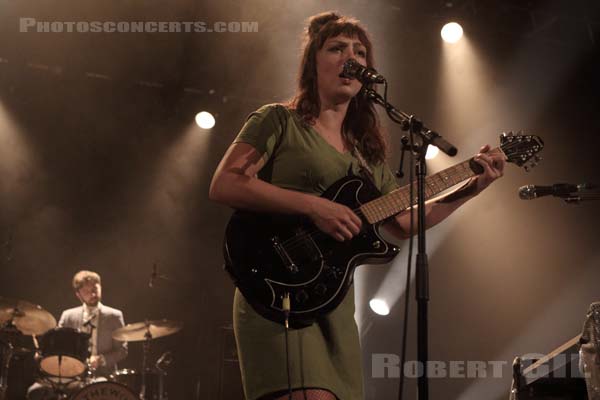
x: 301, y: 296
x: 376, y: 244
x: 321, y: 289
x: 254, y: 270
x: 335, y: 272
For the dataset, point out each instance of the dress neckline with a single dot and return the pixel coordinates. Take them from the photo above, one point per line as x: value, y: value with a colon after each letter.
x: 313, y: 131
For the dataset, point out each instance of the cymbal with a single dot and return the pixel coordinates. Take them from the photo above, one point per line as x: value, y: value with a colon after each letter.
x: 29, y: 318
x: 137, y: 331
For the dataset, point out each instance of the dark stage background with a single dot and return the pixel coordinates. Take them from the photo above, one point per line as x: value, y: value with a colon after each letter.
x: 102, y: 166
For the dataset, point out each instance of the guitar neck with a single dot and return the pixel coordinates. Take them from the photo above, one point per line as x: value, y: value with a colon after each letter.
x: 399, y: 200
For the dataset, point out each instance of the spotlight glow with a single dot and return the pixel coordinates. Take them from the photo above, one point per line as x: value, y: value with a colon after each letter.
x: 452, y: 32
x: 432, y: 152
x: 205, y: 120
x: 379, y: 306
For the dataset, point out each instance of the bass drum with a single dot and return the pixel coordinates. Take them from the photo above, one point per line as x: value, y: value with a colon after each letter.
x: 155, y: 389
x: 105, y: 391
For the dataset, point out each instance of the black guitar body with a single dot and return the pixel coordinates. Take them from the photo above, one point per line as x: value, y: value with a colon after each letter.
x: 270, y: 255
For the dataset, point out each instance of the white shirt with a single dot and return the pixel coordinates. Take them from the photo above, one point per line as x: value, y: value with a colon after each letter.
x: 91, y: 319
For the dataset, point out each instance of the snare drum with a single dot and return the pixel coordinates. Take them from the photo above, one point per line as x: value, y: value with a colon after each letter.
x: 133, y: 379
x: 64, y: 352
x: 105, y: 391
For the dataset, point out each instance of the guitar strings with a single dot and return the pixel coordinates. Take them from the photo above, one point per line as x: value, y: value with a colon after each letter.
x: 297, y: 241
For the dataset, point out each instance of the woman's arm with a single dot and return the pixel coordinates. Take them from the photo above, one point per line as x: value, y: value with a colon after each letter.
x: 235, y: 184
x: 436, y: 210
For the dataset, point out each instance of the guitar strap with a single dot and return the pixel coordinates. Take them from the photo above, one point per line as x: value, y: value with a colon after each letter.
x: 365, y: 170
x: 267, y: 170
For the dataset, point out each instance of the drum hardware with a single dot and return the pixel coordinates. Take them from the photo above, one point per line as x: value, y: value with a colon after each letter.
x: 12, y: 344
x: 164, y: 361
x: 145, y: 332
x: 61, y: 386
x: 21, y: 344
x: 154, y: 380
x: 105, y: 391
x: 28, y: 318
x: 6, y: 351
x: 64, y: 352
x: 140, y: 331
x: 20, y: 322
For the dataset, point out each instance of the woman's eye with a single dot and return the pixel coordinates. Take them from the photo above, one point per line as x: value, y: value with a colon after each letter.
x: 336, y: 48
x: 362, y: 53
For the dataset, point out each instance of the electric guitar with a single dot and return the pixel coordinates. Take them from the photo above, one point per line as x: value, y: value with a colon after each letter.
x: 273, y: 257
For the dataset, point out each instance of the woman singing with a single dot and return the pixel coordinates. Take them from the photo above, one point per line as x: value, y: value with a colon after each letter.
x: 283, y: 159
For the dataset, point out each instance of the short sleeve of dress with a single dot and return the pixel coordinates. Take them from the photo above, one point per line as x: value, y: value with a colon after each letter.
x: 263, y: 129
x: 388, y: 181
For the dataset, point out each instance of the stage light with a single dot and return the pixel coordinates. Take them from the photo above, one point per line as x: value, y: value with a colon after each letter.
x: 452, y: 32
x: 432, y: 152
x: 205, y: 120
x: 379, y: 306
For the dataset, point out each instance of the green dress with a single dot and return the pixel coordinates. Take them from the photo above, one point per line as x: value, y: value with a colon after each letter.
x: 326, y: 354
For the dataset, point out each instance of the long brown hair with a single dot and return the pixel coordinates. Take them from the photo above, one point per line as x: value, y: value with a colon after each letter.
x: 361, y: 124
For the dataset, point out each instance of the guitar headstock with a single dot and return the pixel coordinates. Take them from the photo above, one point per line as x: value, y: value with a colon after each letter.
x: 521, y: 149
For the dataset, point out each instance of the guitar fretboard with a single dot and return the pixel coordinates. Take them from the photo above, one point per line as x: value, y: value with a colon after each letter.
x: 399, y: 200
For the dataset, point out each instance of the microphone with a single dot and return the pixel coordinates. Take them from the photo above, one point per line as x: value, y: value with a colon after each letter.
x: 354, y: 70
x: 531, y: 192
x: 153, y: 276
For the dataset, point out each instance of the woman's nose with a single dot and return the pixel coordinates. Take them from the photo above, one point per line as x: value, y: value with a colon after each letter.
x: 349, y: 53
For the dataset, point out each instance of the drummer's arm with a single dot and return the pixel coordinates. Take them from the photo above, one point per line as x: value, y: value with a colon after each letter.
x: 61, y: 321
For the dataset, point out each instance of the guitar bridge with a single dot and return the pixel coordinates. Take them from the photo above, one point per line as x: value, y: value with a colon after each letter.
x: 283, y: 254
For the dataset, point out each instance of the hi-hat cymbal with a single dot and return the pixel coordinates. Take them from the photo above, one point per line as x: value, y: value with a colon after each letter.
x: 29, y: 318
x: 147, y: 330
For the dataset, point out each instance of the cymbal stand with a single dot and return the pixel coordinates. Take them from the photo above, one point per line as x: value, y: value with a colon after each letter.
x: 145, y: 352
x: 5, y: 360
x: 4, y: 376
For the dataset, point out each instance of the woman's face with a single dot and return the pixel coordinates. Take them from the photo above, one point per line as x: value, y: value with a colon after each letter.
x: 330, y: 64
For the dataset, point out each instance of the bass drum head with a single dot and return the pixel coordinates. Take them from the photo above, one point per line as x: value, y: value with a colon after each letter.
x: 105, y: 391
x: 133, y: 380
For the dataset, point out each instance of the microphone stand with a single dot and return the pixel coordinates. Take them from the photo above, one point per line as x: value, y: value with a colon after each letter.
x: 157, y: 276
x: 414, y: 126
x: 589, y: 192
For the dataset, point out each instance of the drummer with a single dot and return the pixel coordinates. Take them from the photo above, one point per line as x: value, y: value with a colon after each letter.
x: 99, y: 321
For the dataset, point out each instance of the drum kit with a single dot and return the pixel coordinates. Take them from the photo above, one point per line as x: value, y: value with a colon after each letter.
x: 62, y: 355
